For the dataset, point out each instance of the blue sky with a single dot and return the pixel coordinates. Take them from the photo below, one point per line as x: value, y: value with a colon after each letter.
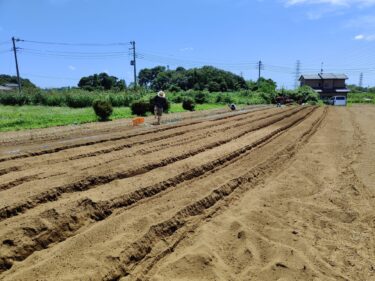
x: 230, y: 34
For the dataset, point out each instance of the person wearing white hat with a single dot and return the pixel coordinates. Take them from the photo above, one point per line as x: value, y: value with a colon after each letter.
x: 160, y: 104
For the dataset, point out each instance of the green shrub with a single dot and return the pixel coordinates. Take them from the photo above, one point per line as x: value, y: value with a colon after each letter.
x: 140, y: 107
x: 228, y: 99
x: 13, y: 98
x: 38, y: 98
x: 177, y: 99
x: 103, y: 109
x: 269, y: 97
x: 200, y: 98
x: 54, y: 100
x: 79, y: 100
x: 214, y: 87
x: 119, y: 100
x: 188, y: 104
x: 174, y: 88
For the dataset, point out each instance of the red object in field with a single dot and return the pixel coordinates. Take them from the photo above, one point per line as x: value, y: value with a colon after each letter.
x: 138, y: 120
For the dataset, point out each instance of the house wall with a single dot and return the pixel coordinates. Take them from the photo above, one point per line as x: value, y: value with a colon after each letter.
x: 329, y: 84
x: 328, y: 95
x: 315, y: 84
x: 339, y: 84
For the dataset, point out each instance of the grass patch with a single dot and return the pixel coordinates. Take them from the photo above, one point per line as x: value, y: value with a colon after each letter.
x: 13, y: 118
x: 361, y: 98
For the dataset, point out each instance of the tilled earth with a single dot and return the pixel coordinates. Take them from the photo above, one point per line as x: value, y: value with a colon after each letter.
x: 259, y: 194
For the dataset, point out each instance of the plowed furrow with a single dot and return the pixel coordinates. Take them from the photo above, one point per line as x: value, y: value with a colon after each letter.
x: 92, y: 181
x: 121, y: 137
x: 201, y: 126
x: 195, y: 136
x: 133, y: 256
x: 17, y: 182
x: 87, y: 211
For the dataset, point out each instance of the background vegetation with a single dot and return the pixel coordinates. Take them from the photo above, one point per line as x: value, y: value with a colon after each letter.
x: 197, y: 89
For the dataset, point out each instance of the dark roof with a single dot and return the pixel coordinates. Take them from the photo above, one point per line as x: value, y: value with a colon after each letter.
x: 333, y: 76
x: 323, y: 76
x: 310, y: 77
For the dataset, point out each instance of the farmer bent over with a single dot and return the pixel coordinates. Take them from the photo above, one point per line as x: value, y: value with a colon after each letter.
x: 160, y: 104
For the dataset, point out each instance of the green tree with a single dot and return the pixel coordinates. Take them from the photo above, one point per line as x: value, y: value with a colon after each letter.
x: 206, y: 77
x: 101, y: 81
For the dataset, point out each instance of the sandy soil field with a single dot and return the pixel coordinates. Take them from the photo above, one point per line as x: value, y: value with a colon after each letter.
x: 259, y: 194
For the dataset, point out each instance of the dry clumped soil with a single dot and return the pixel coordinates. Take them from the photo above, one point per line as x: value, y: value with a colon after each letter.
x: 262, y: 193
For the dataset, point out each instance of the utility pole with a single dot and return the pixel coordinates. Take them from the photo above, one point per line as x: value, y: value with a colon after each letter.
x: 298, y: 73
x: 15, y: 58
x: 321, y: 68
x: 133, y: 63
x: 361, y: 80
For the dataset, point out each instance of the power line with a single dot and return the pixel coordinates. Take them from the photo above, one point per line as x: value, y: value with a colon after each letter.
x: 72, y: 56
x: 75, y: 53
x: 74, y: 44
x: 51, y: 77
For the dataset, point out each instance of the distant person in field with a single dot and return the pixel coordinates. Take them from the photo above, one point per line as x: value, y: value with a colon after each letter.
x: 160, y: 105
x: 232, y: 107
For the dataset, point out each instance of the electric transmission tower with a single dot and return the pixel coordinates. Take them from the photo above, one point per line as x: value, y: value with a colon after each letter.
x: 298, y: 74
x: 361, y: 80
x: 260, y: 67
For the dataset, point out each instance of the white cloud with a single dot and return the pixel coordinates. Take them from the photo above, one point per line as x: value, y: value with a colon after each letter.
x: 340, y: 3
x: 187, y: 49
x: 72, y: 67
x: 361, y: 37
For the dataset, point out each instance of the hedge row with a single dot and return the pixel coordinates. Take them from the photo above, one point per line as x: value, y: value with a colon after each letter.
x: 80, y: 98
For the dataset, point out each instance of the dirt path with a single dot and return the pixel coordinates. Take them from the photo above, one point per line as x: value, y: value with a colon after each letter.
x: 261, y: 194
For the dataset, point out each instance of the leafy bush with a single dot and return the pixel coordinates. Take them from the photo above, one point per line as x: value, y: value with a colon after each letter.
x: 54, y: 100
x: 119, y: 99
x: 269, y: 97
x: 228, y: 99
x: 188, y: 104
x: 103, y: 109
x: 38, y: 98
x: 219, y: 99
x: 200, y: 98
x: 79, y: 100
x: 177, y: 99
x: 14, y: 98
x: 304, y: 94
x: 214, y: 86
x: 140, y: 107
x: 174, y: 88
